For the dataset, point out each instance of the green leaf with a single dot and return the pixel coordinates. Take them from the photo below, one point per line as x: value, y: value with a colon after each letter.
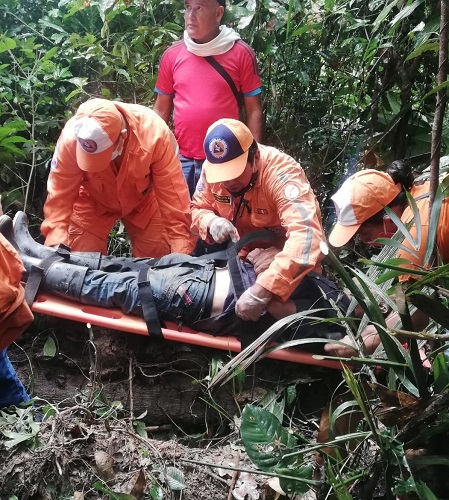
x: 424, y: 492
x: 304, y: 474
x: 49, y: 348
x: 264, y: 438
x: 384, y: 13
x: 175, y: 479
x: 156, y: 492
x: 7, y: 43
x: 406, y: 11
x: 139, y: 427
x: 291, y: 394
x: 15, y: 438
x: 429, y: 46
x: 433, y: 225
x: 440, y: 373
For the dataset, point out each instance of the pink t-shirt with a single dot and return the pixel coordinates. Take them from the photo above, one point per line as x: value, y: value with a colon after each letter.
x: 201, y: 94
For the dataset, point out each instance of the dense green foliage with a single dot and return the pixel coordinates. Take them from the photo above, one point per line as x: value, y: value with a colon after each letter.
x: 344, y: 81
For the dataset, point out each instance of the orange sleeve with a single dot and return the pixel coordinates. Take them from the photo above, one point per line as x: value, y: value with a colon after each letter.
x: 15, y: 314
x: 300, y: 216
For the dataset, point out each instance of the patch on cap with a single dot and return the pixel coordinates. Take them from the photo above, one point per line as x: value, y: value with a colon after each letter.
x: 218, y: 148
x: 226, y: 147
x: 97, y: 127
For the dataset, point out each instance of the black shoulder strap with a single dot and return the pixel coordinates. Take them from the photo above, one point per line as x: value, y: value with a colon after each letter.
x: 219, y: 68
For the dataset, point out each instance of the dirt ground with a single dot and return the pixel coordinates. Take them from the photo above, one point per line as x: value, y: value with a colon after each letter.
x: 76, y: 457
x: 180, y: 443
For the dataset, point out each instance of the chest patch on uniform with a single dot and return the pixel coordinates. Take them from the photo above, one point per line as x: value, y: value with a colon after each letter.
x: 222, y: 198
x: 261, y: 211
x: 291, y: 191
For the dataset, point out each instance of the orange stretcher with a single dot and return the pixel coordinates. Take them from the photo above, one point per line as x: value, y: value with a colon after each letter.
x: 115, y: 319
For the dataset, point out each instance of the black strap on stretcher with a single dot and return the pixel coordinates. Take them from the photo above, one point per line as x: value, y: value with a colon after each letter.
x: 149, y: 310
x: 36, y: 275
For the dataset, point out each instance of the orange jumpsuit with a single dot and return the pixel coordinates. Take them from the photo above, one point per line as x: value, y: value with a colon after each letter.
x: 282, y: 201
x: 420, y: 193
x: 148, y: 193
x: 15, y: 315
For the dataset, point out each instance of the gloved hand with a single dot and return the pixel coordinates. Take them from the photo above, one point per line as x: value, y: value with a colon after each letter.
x: 250, y: 307
x: 222, y: 229
x: 261, y: 258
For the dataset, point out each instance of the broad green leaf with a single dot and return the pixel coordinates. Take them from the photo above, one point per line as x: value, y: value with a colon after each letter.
x: 429, y: 46
x: 49, y: 348
x: 406, y: 11
x: 50, y: 53
x: 304, y: 29
x: 7, y: 44
x: 384, y: 13
x: 140, y: 428
x: 15, y: 438
x: 174, y: 478
x: 264, y: 438
x: 304, y: 474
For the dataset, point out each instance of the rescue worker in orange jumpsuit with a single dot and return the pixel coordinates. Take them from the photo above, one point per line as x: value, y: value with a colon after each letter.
x: 15, y: 316
x: 247, y: 186
x: 116, y: 161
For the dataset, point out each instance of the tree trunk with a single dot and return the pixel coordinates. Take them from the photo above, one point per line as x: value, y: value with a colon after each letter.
x: 165, y: 379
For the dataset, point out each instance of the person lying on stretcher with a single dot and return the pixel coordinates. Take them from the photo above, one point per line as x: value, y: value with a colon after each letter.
x: 189, y: 291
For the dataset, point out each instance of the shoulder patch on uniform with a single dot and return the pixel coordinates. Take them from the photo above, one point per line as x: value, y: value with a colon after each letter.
x: 291, y: 191
x: 222, y: 198
x: 261, y: 211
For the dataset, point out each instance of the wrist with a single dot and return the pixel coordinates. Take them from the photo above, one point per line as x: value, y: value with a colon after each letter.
x: 260, y: 292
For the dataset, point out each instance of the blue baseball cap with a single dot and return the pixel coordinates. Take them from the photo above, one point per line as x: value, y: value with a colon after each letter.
x: 226, y: 146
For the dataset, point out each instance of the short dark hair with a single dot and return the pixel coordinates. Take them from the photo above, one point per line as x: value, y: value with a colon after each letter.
x: 222, y: 3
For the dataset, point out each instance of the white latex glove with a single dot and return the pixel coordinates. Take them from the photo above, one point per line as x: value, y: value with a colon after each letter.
x: 222, y: 229
x: 250, y: 307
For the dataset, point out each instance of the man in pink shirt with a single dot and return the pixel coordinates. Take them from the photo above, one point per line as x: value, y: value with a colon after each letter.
x: 190, y: 85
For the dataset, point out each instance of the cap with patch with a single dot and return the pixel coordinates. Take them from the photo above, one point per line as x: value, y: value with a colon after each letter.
x: 226, y: 146
x: 359, y: 198
x: 98, y: 124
